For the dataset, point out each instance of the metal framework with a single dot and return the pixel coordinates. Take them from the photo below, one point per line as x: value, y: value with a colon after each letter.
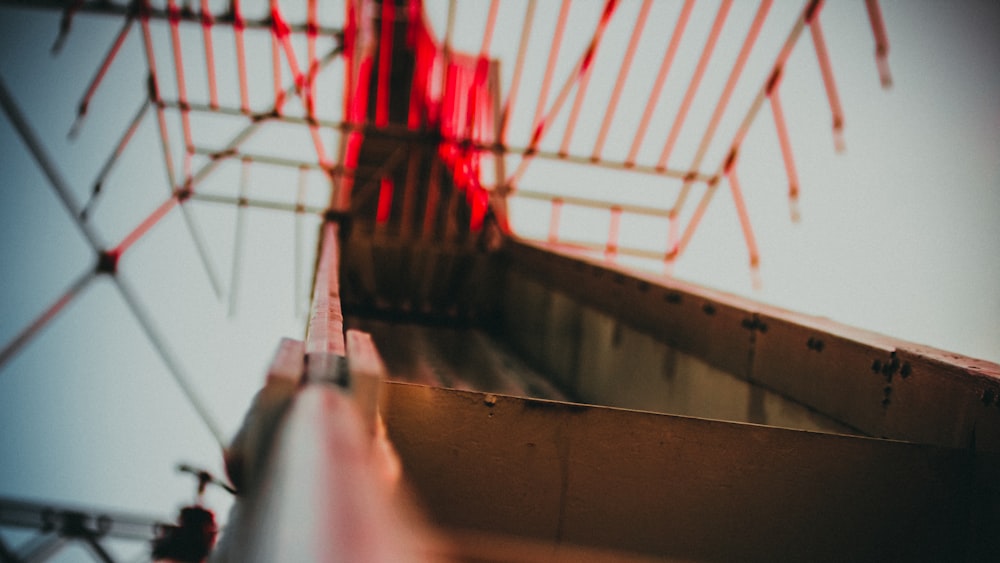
x: 58, y: 526
x: 459, y: 112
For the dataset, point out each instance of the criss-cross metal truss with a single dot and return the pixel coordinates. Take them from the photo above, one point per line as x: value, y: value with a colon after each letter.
x: 325, y: 71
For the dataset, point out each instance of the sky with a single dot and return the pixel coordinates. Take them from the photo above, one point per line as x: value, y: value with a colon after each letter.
x: 898, y: 233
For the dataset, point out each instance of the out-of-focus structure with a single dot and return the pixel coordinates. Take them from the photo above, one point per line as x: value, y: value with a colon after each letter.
x: 470, y: 390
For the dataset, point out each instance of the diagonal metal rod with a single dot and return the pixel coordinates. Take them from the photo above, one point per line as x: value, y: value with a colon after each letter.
x: 81, y: 111
x: 661, y: 77
x: 29, y: 332
x: 98, y: 550
x: 623, y: 72
x: 676, y: 249
x: 723, y: 103
x: 173, y: 365
x: 65, y: 196
x: 587, y: 70
x: 42, y: 547
x: 46, y: 164
x: 692, y: 89
x: 113, y: 159
x: 508, y: 107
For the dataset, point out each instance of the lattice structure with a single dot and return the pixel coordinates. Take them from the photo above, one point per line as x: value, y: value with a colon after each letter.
x: 282, y: 65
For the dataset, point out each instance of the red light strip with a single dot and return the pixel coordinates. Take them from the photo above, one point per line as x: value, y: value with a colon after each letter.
x: 626, y: 65
x: 586, y: 68
x: 823, y: 57
x: 881, y: 42
x: 706, y: 55
x: 206, y: 27
x: 386, y: 188
x: 661, y: 77
x: 385, y: 63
